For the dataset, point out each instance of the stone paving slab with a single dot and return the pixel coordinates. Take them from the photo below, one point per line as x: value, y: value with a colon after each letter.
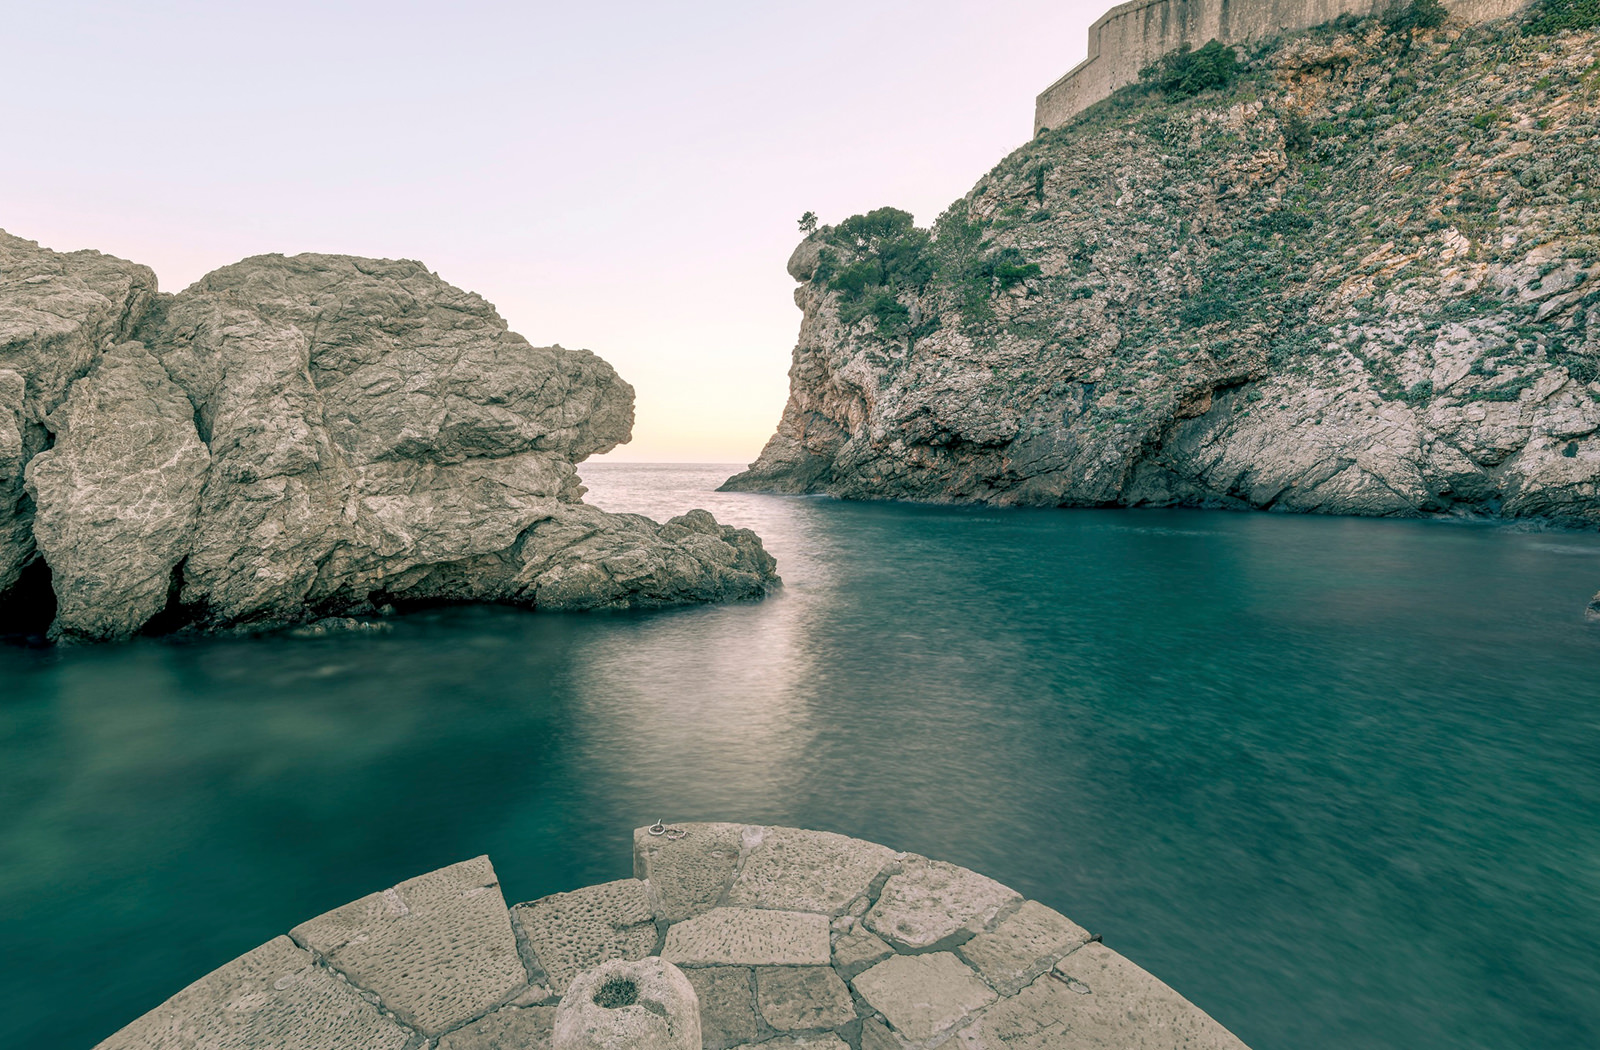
x: 923, y: 995
x: 437, y: 950
x: 689, y: 875
x: 793, y: 870
x: 727, y: 1005
x: 857, y: 949
x: 749, y: 937
x: 1126, y: 1006
x: 933, y: 905
x: 510, y: 1028
x: 798, y: 998
x: 825, y: 1041
x: 889, y: 952
x: 274, y: 996
x: 1096, y: 1000
x: 1022, y: 947
x: 573, y: 932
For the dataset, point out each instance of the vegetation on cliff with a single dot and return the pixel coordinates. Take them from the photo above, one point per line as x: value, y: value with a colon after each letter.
x: 1354, y: 276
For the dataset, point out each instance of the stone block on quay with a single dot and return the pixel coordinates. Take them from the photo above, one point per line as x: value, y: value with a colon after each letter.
x: 819, y: 1041
x: 1022, y: 947
x: 794, y: 870
x: 574, y: 932
x: 509, y: 1028
x: 1095, y: 999
x: 875, y: 1035
x: 275, y: 995
x: 727, y: 1005
x: 797, y: 998
x: 933, y: 905
x: 923, y: 995
x: 688, y: 875
x: 644, y: 1004
x: 749, y: 937
x: 858, y: 949
x: 437, y: 949
x: 1108, y: 1001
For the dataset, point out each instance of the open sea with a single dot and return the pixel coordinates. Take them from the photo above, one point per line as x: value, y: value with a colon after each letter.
x: 1335, y: 780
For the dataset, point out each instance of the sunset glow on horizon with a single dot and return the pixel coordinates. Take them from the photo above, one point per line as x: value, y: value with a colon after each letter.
x: 623, y: 179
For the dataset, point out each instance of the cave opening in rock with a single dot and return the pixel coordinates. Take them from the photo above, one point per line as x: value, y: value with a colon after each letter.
x: 29, y: 608
x: 175, y: 615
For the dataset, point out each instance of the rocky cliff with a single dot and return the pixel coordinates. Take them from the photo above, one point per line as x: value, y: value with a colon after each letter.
x: 1357, y: 274
x: 293, y: 438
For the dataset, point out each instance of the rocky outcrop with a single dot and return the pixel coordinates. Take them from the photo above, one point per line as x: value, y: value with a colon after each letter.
x: 1360, y: 280
x: 58, y: 313
x: 298, y: 438
x: 118, y: 494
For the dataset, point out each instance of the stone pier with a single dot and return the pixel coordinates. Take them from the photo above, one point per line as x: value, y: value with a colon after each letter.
x: 798, y: 940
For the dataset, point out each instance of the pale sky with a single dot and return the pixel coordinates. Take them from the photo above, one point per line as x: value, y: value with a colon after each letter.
x: 622, y: 177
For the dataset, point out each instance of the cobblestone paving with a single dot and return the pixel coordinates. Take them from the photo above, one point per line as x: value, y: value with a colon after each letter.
x: 793, y: 940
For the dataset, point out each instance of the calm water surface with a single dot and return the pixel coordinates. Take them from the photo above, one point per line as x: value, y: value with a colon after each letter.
x: 1338, y: 781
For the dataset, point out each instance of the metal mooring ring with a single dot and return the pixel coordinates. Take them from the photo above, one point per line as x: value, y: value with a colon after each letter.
x: 657, y: 828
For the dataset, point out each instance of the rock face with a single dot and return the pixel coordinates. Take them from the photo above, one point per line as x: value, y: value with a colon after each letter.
x: 58, y: 313
x: 1360, y: 280
x: 296, y: 438
x: 118, y: 494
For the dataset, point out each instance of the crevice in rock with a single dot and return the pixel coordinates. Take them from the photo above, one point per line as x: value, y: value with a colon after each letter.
x: 175, y: 615
x: 29, y: 608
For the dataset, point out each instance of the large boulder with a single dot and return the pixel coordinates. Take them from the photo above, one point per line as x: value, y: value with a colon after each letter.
x: 116, y: 497
x: 58, y: 313
x: 295, y: 438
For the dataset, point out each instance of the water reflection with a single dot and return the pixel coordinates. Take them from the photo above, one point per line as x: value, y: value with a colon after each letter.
x: 1333, y: 779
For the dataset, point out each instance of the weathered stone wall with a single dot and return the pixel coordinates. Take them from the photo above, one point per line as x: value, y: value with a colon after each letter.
x: 1131, y: 36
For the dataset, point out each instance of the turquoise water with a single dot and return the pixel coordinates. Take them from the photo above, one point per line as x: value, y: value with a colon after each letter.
x: 1338, y: 781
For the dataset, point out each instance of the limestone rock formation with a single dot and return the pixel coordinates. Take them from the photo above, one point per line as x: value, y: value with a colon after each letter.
x: 118, y: 493
x: 1360, y: 280
x: 58, y: 313
x: 298, y: 438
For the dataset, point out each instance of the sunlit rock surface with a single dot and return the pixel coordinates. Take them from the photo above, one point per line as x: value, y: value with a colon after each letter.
x: 298, y: 438
x: 1360, y: 280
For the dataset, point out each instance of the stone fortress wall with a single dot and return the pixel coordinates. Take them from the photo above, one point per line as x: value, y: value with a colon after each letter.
x: 1131, y: 36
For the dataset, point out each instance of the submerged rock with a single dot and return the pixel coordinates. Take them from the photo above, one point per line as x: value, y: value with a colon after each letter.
x: 1593, y: 611
x: 302, y: 439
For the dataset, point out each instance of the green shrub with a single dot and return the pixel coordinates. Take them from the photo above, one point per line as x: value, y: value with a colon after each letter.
x: 1185, y: 73
x: 1418, y: 14
x: 1580, y: 367
x: 1297, y: 136
x: 1552, y: 16
x: 870, y: 260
